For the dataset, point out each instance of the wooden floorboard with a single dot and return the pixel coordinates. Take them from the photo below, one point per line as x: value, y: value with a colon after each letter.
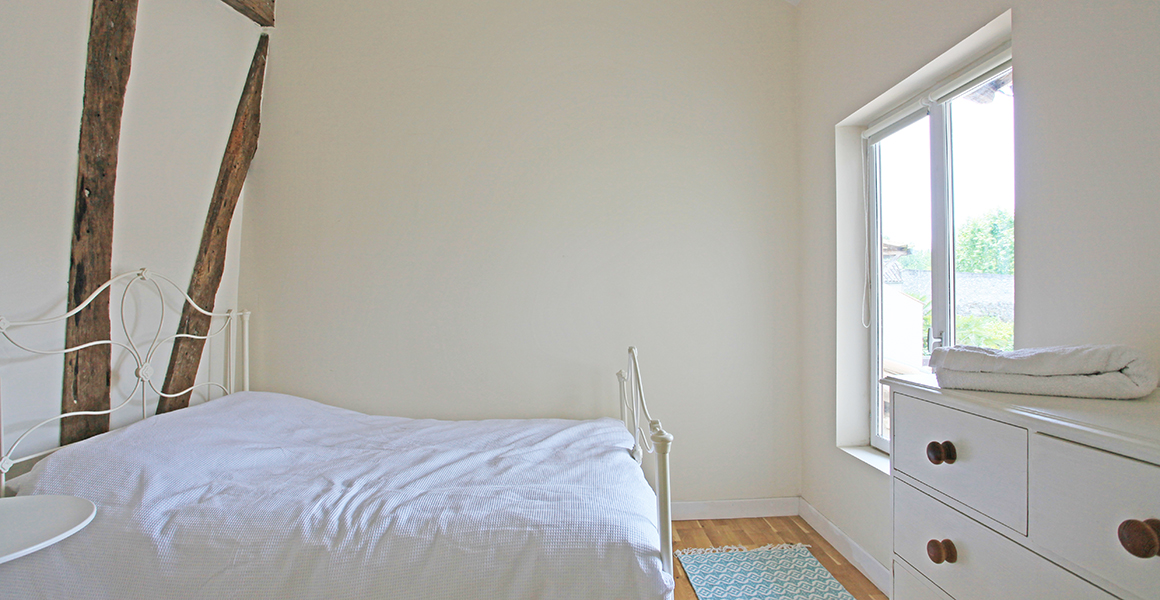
x: 754, y: 533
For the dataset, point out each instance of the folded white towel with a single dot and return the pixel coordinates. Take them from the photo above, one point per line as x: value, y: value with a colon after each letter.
x: 1116, y: 372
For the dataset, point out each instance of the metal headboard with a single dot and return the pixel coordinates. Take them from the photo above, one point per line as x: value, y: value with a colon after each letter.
x: 632, y: 409
x: 225, y: 323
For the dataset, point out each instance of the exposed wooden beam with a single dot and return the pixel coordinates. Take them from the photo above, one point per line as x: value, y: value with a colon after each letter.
x: 86, y: 373
x: 260, y: 11
x: 211, y: 256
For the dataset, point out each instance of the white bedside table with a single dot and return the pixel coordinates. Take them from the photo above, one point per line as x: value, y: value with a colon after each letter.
x: 29, y: 523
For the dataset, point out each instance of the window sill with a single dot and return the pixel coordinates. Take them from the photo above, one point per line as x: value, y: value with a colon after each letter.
x: 869, y: 455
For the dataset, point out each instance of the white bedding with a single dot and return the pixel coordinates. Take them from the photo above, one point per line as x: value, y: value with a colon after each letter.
x: 261, y: 495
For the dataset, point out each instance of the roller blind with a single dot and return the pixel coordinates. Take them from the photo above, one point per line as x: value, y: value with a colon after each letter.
x: 918, y: 106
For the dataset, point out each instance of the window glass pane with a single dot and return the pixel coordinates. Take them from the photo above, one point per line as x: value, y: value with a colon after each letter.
x: 904, y: 286
x: 983, y: 192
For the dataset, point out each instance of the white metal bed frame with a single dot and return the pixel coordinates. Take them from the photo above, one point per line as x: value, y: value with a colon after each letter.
x: 633, y: 409
x: 227, y: 324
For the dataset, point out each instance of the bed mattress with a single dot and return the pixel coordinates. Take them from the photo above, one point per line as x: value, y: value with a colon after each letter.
x: 260, y: 495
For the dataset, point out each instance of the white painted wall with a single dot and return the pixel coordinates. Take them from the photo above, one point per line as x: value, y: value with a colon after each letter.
x: 189, y: 62
x: 469, y: 210
x: 1087, y: 86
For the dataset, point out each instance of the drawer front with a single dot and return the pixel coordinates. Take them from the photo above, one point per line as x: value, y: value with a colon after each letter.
x: 990, y: 471
x: 909, y: 585
x: 989, y: 566
x: 1079, y: 498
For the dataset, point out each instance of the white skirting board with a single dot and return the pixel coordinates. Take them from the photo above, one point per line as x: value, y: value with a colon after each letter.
x: 878, y: 574
x: 735, y: 509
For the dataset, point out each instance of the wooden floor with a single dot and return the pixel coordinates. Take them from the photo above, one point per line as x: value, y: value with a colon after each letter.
x: 754, y: 533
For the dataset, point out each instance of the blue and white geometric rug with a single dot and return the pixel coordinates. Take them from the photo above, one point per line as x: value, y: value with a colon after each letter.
x: 775, y: 572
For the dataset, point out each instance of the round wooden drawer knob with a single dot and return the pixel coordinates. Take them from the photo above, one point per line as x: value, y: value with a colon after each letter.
x: 939, y: 453
x: 942, y: 551
x: 1141, y: 538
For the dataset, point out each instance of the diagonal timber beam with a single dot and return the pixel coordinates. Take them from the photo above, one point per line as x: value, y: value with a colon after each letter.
x: 87, y: 372
x: 211, y: 256
x: 259, y: 11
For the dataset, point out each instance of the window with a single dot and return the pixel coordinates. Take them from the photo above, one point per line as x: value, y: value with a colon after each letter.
x: 941, y: 213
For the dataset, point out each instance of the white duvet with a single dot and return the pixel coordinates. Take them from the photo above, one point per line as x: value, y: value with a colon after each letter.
x: 261, y: 495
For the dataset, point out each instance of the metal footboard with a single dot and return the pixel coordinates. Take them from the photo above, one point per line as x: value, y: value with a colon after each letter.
x: 634, y: 412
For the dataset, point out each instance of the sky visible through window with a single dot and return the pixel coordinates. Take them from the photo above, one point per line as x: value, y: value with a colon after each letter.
x: 984, y: 178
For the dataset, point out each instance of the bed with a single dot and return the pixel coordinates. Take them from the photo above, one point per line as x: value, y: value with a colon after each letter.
x: 272, y: 496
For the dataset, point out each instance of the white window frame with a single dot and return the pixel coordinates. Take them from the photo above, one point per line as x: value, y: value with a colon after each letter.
x: 932, y: 102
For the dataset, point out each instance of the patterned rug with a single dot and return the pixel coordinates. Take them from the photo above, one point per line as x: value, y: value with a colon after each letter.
x: 782, y: 572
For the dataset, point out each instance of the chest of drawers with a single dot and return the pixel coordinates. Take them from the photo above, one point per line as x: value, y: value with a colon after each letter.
x: 1023, y: 497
